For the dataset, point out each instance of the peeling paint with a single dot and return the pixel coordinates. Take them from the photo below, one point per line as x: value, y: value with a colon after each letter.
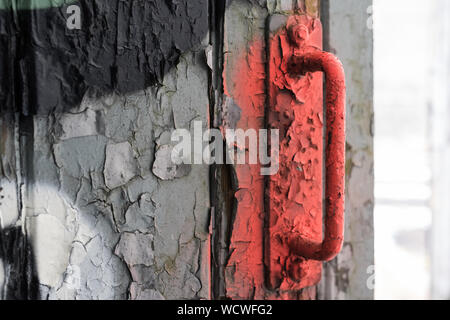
x: 244, y: 82
x: 127, y: 238
x: 295, y: 194
x: 136, y: 226
x: 123, y: 47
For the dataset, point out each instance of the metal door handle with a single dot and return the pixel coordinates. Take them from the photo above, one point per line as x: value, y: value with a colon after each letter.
x: 319, y: 61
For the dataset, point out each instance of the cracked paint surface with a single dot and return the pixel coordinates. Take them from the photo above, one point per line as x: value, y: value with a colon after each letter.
x: 319, y: 61
x: 245, y: 83
x: 295, y: 192
x: 87, y: 186
x: 100, y: 175
x: 122, y: 46
x: 294, y: 195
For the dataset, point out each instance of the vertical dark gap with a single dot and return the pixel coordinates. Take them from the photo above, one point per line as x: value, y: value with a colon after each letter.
x: 266, y: 235
x: 325, y: 14
x: 324, y: 288
x: 26, y: 79
x: 212, y: 169
x: 221, y: 175
x: 21, y: 280
x: 325, y: 19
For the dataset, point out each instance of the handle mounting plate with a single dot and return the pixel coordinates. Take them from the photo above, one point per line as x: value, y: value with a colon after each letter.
x: 294, y: 195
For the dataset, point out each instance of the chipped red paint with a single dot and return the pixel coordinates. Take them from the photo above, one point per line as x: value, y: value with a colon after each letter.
x: 291, y: 200
x: 335, y: 155
x: 294, y: 195
x: 245, y: 84
x: 294, y: 247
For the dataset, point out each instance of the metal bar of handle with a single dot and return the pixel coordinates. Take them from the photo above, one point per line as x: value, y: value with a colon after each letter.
x: 319, y: 61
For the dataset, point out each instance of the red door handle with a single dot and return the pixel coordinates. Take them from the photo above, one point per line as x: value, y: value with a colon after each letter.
x: 297, y: 241
x: 319, y: 61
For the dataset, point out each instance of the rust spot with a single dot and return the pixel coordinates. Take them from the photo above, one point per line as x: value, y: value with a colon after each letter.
x: 312, y: 8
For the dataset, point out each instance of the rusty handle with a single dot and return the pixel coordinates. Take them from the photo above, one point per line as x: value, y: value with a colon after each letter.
x: 335, y: 155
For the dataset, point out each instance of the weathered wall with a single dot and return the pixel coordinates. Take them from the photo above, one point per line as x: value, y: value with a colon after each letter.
x: 104, y: 212
x: 96, y: 200
x: 347, y: 34
x: 121, y: 46
x: 92, y: 206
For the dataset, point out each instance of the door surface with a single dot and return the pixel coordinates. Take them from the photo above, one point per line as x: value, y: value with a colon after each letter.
x: 92, y: 205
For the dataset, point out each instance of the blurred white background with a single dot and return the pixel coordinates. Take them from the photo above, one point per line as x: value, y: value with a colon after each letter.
x: 411, y: 137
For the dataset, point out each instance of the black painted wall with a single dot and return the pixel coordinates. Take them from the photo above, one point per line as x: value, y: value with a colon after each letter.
x: 122, y: 45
